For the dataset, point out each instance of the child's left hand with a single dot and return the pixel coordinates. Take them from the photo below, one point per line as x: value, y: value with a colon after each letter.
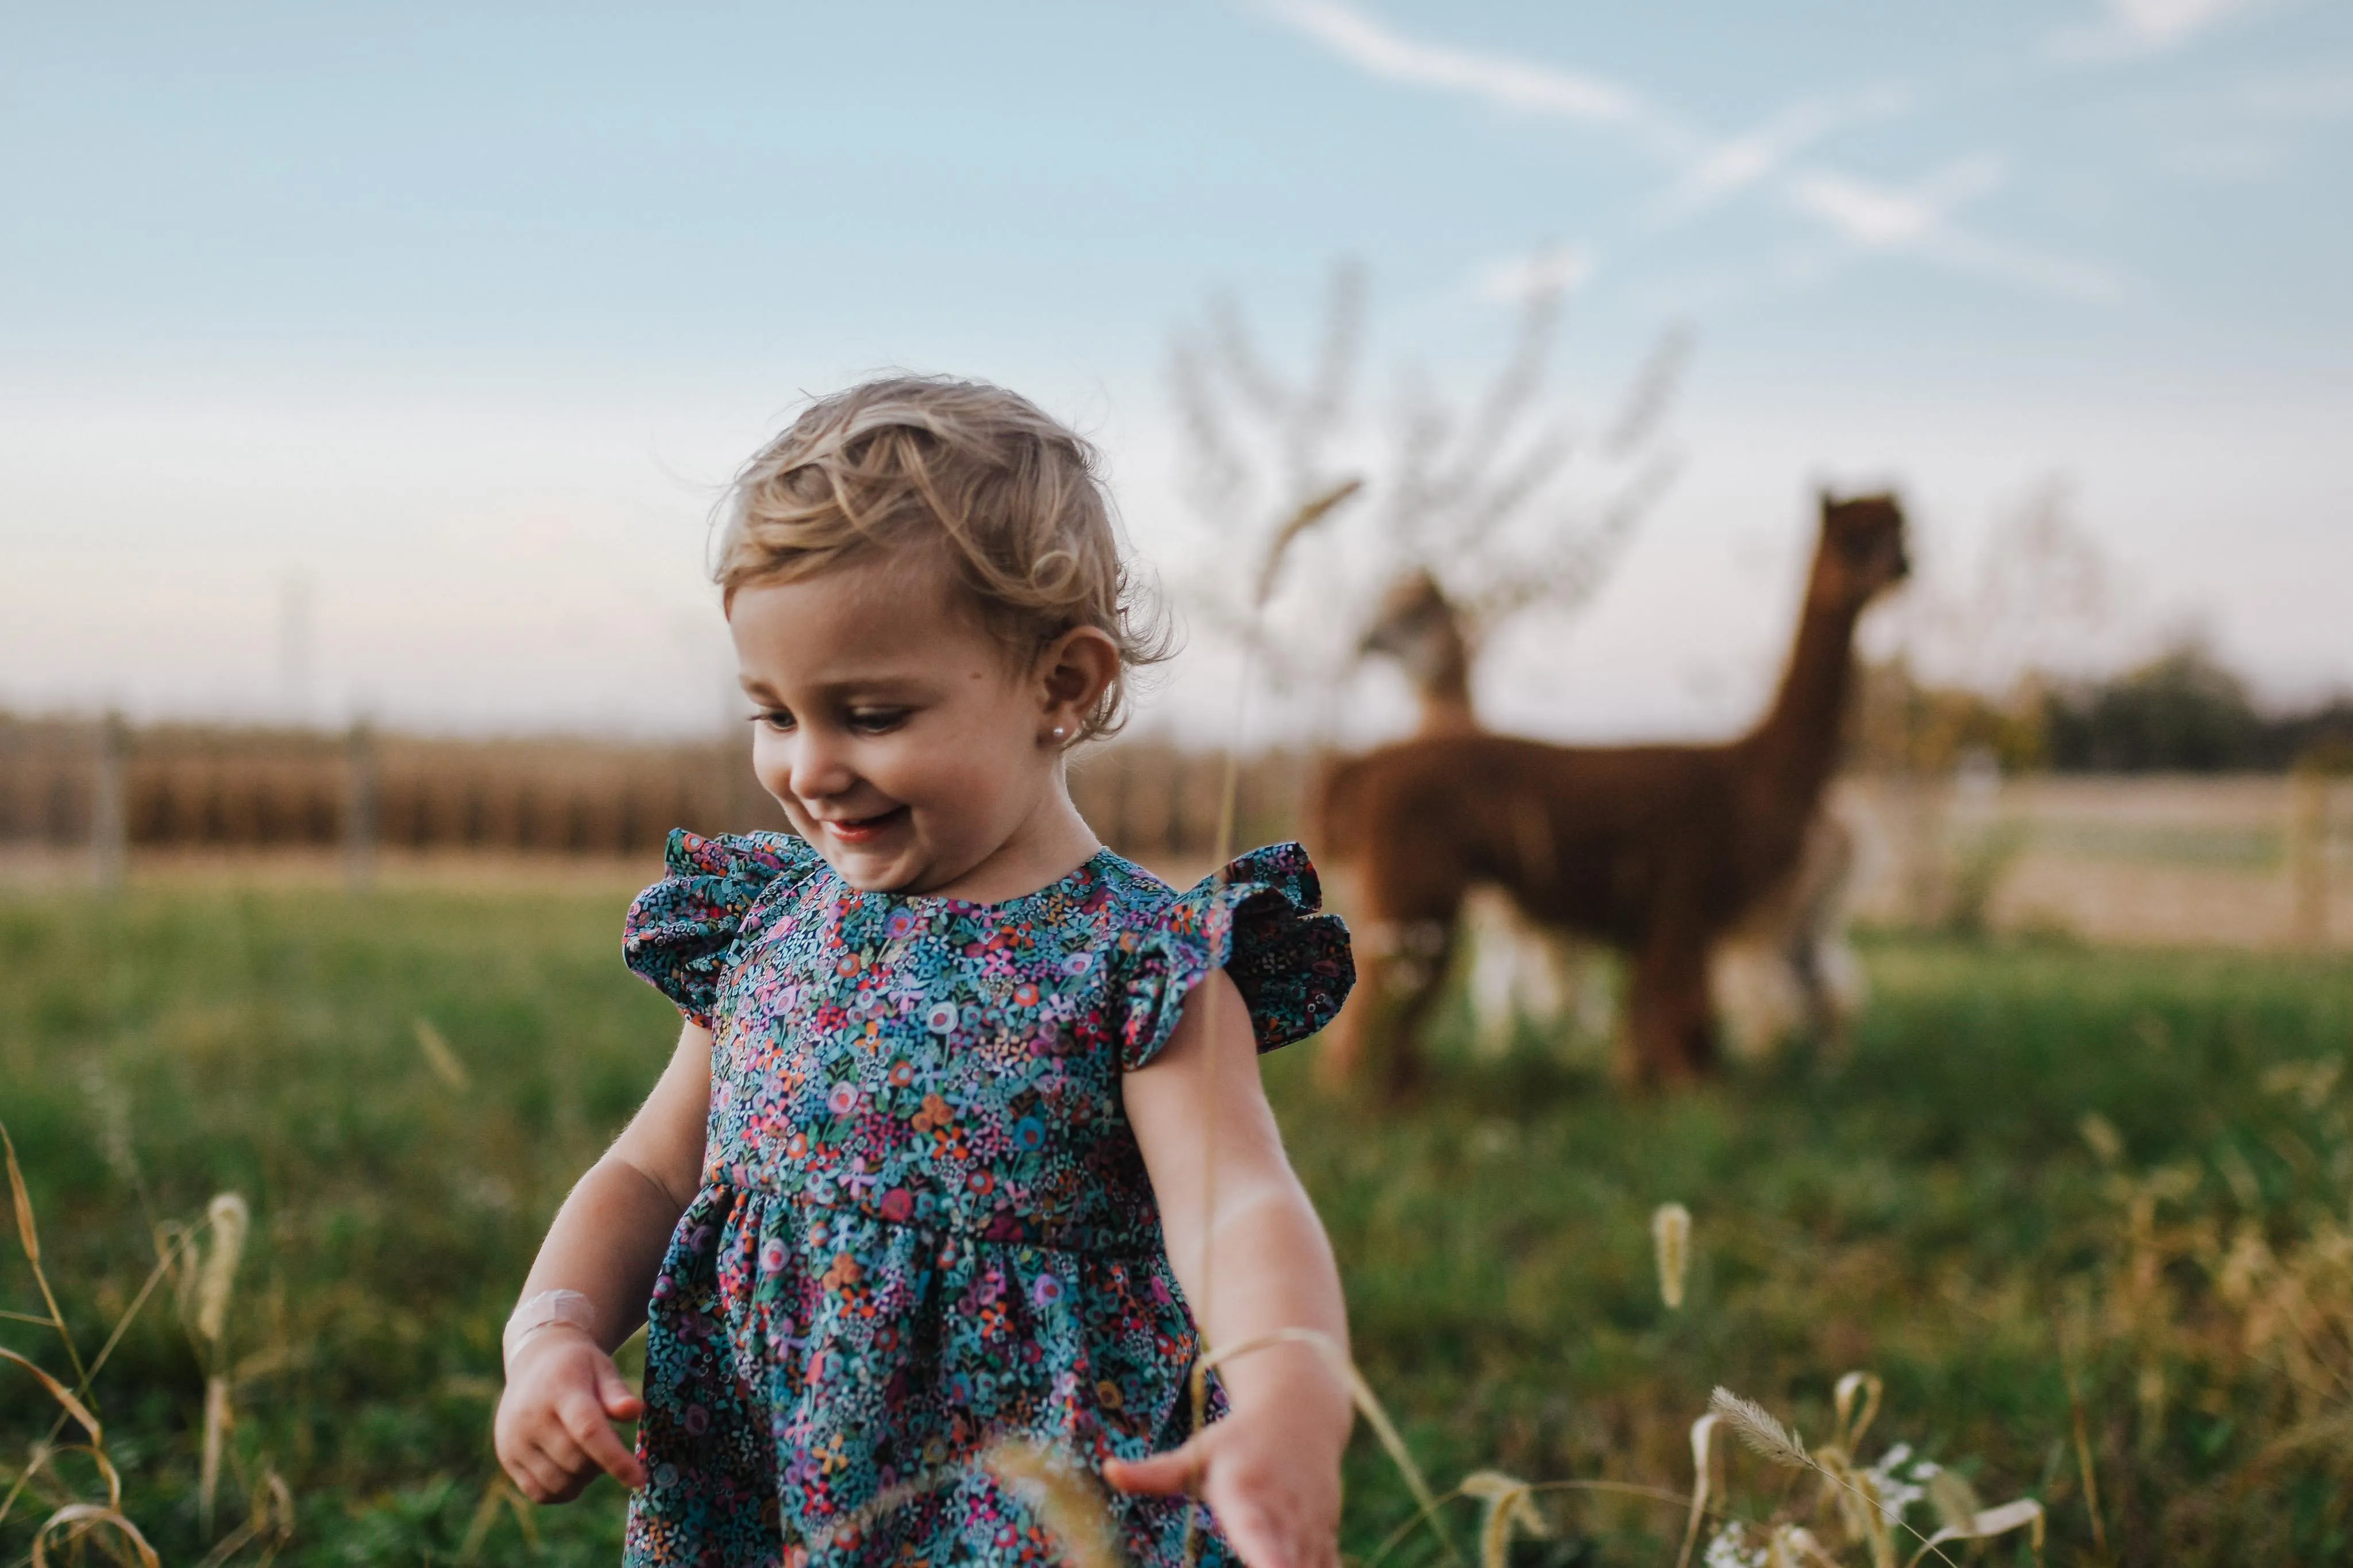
x: 1270, y: 1473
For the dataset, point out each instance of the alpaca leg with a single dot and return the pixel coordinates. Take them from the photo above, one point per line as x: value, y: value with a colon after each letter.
x: 1400, y: 965
x: 1341, y: 1051
x: 1413, y: 986
x: 1671, y: 1033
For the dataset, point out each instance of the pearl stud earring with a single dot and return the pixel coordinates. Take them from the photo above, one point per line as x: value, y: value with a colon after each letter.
x: 1060, y: 731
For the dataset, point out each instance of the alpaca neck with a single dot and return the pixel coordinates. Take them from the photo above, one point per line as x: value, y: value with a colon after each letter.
x: 1442, y: 684
x: 1797, y: 745
x: 1447, y: 715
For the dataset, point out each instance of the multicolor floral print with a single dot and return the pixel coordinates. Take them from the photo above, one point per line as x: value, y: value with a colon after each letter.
x: 924, y: 1224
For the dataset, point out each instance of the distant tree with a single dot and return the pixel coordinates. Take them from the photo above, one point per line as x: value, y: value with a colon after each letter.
x: 2182, y: 711
x: 1478, y: 497
x: 1902, y: 725
x: 2320, y: 737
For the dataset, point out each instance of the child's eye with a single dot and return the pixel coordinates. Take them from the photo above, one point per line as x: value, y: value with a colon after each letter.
x: 775, y: 719
x: 877, y: 721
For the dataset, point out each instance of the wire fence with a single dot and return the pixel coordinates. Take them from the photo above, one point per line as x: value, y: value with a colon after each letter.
x: 2252, y: 859
x: 117, y: 789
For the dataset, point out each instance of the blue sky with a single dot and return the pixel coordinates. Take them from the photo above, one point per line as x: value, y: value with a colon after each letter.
x: 453, y: 316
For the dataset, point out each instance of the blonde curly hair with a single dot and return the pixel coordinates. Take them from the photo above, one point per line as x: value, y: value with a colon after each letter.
x: 1006, y: 496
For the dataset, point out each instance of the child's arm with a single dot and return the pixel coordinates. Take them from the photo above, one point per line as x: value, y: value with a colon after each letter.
x: 553, y: 1428
x: 1252, y: 1258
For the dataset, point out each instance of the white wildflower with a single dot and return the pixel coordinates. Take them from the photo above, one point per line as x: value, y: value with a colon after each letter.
x: 1730, y: 1549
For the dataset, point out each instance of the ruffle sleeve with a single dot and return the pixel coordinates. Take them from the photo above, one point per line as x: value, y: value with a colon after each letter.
x: 679, y: 931
x: 1260, y: 921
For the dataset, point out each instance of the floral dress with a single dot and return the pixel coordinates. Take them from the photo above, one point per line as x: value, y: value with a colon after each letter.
x: 925, y: 1224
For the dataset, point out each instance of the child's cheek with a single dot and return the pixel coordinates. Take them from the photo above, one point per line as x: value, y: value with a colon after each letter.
x: 772, y: 761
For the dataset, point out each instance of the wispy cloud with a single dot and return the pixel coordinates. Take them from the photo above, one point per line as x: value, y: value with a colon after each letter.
x: 1918, y: 220
x: 1722, y: 168
x: 1520, y: 85
x: 1864, y: 214
x: 2143, y: 26
x: 1882, y: 217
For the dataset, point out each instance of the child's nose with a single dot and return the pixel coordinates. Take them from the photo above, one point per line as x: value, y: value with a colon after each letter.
x: 820, y: 766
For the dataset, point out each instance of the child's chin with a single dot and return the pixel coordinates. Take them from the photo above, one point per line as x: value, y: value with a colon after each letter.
x: 869, y: 871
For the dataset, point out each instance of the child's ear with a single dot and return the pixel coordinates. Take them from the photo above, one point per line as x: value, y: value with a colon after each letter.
x: 1076, y: 669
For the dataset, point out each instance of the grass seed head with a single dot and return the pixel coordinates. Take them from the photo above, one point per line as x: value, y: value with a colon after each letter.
x: 1067, y: 1505
x: 1511, y: 1507
x: 1671, y: 1241
x: 27, y: 1235
x: 229, y: 1220
x: 434, y: 1046
x: 1755, y: 1427
x: 112, y: 1109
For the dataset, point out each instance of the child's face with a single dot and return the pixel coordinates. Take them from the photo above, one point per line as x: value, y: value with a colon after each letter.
x: 894, y: 731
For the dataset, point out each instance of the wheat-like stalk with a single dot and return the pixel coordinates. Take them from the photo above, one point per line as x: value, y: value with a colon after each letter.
x: 1755, y: 1427
x: 1511, y: 1507
x: 1702, y: 1442
x: 229, y: 1219
x: 217, y: 1284
x: 1067, y: 1502
x: 76, y: 1519
x: 218, y: 1420
x: 269, y: 1518
x: 434, y: 1046
x: 2025, y: 1514
x: 1851, y: 1422
x: 28, y: 1236
x: 1671, y: 1241
x: 61, y: 1394
x: 499, y: 1493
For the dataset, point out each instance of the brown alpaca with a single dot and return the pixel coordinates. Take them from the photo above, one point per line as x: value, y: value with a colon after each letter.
x: 1786, y: 967
x: 1658, y: 850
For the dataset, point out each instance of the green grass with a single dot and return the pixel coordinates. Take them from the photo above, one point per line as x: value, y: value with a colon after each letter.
x: 1928, y: 1211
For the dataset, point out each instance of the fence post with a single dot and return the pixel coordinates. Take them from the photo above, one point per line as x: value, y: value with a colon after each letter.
x: 110, y: 814
x: 361, y: 792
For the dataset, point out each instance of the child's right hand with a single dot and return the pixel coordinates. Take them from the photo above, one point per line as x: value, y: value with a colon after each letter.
x: 553, y: 1430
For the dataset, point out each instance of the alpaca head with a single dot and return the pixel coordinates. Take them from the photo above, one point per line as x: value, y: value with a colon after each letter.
x: 1417, y: 626
x: 1862, y: 551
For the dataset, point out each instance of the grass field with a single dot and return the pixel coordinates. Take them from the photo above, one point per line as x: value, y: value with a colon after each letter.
x: 2164, y: 1304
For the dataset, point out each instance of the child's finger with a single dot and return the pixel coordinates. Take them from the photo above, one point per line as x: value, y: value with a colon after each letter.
x: 600, y: 1446
x: 1172, y: 1474
x: 613, y: 1391
x: 543, y: 1473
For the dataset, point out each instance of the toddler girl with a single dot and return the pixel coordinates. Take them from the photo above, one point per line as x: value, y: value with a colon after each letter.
x: 966, y: 1109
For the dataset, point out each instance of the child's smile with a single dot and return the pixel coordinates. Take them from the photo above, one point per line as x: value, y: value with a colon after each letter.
x: 899, y: 737
x: 864, y: 830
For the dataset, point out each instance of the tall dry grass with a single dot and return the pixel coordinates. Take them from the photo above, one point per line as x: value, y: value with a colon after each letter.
x: 198, y: 1262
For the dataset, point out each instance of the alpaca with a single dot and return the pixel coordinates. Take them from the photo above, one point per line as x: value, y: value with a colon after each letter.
x: 1662, y: 851
x: 1785, y: 970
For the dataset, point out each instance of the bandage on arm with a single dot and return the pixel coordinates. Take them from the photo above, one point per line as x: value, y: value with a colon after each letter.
x: 545, y: 1311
